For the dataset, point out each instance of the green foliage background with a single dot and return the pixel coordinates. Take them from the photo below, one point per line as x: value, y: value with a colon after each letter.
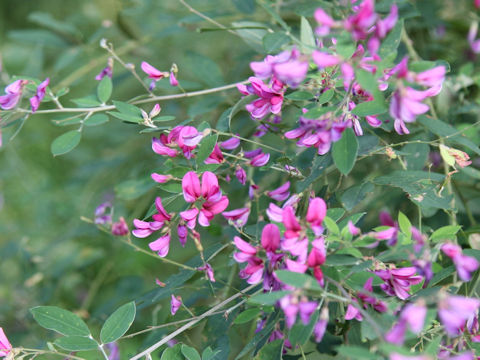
x: 50, y: 256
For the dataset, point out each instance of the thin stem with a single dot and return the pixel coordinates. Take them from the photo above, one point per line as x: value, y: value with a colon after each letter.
x: 142, y: 101
x: 189, y: 325
x: 102, y: 350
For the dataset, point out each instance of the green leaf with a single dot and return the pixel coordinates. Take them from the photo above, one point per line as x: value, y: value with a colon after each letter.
x: 209, y: 354
x: 441, y: 128
x: 88, y: 101
x: 369, y: 108
x: 448, y: 232
x: 204, y: 69
x: 267, y: 298
x: 104, y: 89
x: 247, y: 315
x: 173, y: 353
x: 126, y: 117
x: 331, y: 226
x: 405, y: 224
x: 298, y: 280
x: 252, y: 34
x: 164, y: 118
x: 300, y: 333
x: 76, y: 343
x: 306, y: 36
x: 190, y: 353
x: 355, y: 194
x: 272, y: 42
x: 391, y: 42
x: 320, y: 163
x: 127, y: 108
x: 344, y: 151
x: 59, y: 320
x: 299, y: 95
x: 356, y: 352
x: 270, y: 351
x: 223, y: 122
x: 96, y: 119
x: 316, y: 112
x: 65, y: 142
x: 335, y: 213
x: 206, y: 147
x: 118, y: 323
x: 325, y: 97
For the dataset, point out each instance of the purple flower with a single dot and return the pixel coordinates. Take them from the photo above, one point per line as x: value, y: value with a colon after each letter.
x: 153, y: 73
x: 175, y: 304
x: 208, y: 271
x: 238, y: 216
x: 413, y: 317
x: 114, y: 351
x: 472, y: 34
x: 465, y: 265
x: 281, y: 193
x: 37, y: 99
x: 13, y: 93
x: 101, y: 216
x: 144, y: 229
x: 260, y: 160
x: 288, y: 67
x: 454, y: 311
x: 230, y: 144
x: 321, y: 325
x: 120, y: 228
x: 270, y: 97
x: 182, y: 232
x: 398, y: 281
x: 241, y: 175
x: 106, y: 71
x: 291, y: 306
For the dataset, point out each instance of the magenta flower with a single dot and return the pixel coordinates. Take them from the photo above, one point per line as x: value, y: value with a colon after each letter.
x: 291, y: 307
x: 13, y: 93
x: 106, y: 71
x: 120, y: 228
x: 230, y: 144
x: 323, y: 59
x: 317, y: 210
x: 281, y: 193
x: 182, y: 233
x: 288, y: 67
x: 398, y: 281
x: 319, y: 133
x: 413, y: 317
x: 5, y: 345
x: 216, y: 157
x: 321, y: 325
x: 359, y: 24
x: 175, y: 304
x: 208, y: 271
x: 270, y: 97
x: 173, y: 79
x: 354, y: 313
x: 390, y: 233
x: 464, y: 264
x: 209, y: 191
x: 241, y: 175
x: 270, y: 238
x: 153, y: 73
x: 247, y: 251
x: 144, y: 229
x: 352, y: 228
x: 454, y: 311
x: 472, y: 34
x: 185, y: 137
x: 324, y: 21
x: 317, y: 257
x: 37, y: 99
x: 161, y: 179
x: 161, y: 245
x: 103, y: 213
x: 238, y: 216
x: 260, y: 159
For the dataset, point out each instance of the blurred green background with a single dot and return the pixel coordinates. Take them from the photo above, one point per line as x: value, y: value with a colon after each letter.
x: 48, y: 255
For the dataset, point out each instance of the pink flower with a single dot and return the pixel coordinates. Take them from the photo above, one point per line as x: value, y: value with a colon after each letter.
x: 13, y: 93
x: 281, y: 193
x: 241, y: 175
x: 253, y: 272
x: 398, y: 281
x: 270, y: 98
x: 161, y: 179
x: 182, y: 233
x: 153, y: 73
x: 238, y: 216
x: 413, y: 317
x: 317, y: 210
x: 247, y: 251
x: 454, y: 311
x: 216, y: 157
x: 317, y: 257
x: 161, y: 245
x: 321, y: 325
x: 360, y: 23
x: 287, y: 67
x: 185, y: 137
x: 175, y: 304
x: 472, y: 34
x: 161, y: 214
x: 106, y: 71
x: 291, y: 306
x: 208, y: 271
x: 464, y: 264
x: 352, y: 228
x: 209, y: 190
x: 270, y: 238
x: 5, y: 345
x: 37, y: 99
x: 260, y: 160
x: 144, y: 229
x: 120, y: 228
x: 230, y: 144
x: 173, y: 79
x: 324, y: 21
x: 323, y: 59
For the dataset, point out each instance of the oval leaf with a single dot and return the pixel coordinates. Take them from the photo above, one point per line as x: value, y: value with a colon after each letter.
x: 344, y: 151
x: 190, y: 353
x: 59, y: 320
x: 206, y: 147
x: 76, y: 343
x: 97, y: 119
x: 104, y: 89
x: 65, y: 142
x: 118, y: 323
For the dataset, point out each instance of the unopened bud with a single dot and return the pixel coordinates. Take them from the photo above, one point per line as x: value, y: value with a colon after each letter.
x: 155, y: 111
x: 103, y: 43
